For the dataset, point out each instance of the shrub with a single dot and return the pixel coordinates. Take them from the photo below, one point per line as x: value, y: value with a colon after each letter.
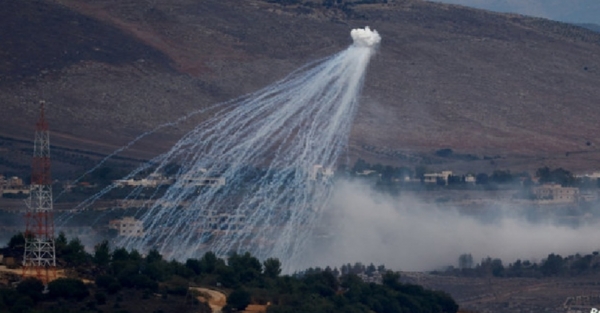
x: 239, y: 299
x: 100, y: 298
x: 68, y: 288
x: 31, y: 287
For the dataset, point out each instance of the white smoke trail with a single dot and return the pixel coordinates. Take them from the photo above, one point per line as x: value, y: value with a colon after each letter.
x: 264, y: 148
x: 136, y: 140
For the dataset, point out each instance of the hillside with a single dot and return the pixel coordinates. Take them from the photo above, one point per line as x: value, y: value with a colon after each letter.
x: 520, y: 89
x: 591, y: 26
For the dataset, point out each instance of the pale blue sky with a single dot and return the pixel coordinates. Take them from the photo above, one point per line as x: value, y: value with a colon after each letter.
x: 574, y: 11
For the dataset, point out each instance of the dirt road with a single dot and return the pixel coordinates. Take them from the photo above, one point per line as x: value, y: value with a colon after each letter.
x: 216, y: 300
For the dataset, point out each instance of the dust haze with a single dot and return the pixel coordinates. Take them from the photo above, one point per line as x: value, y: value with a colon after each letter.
x: 408, y: 233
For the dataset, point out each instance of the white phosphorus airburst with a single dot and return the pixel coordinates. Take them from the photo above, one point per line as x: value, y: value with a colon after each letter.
x: 264, y: 147
x: 365, y: 37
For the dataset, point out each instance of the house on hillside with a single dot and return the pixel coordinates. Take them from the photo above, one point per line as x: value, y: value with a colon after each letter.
x: 152, y: 181
x: 318, y: 172
x: 437, y: 178
x: 470, y: 179
x: 128, y: 227
x: 225, y: 221
x: 13, y: 186
x: 555, y: 193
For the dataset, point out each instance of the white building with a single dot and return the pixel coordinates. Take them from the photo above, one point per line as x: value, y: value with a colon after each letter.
x: 226, y: 221
x: 14, y: 182
x: 204, y: 180
x: 128, y: 227
x: 318, y: 172
x: 594, y: 175
x: 154, y: 180
x: 555, y: 193
x: 433, y: 178
x: 470, y: 179
x: 13, y: 185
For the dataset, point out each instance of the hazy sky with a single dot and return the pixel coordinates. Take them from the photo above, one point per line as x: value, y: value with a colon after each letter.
x: 574, y: 11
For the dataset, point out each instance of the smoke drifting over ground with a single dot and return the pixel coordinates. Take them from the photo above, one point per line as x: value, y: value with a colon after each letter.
x: 408, y: 234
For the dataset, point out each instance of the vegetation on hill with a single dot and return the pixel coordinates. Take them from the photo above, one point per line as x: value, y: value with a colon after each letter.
x: 113, y: 70
x: 387, y: 175
x: 126, y: 281
x: 554, y: 265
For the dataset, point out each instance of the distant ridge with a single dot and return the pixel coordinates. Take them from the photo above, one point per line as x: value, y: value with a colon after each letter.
x: 590, y: 26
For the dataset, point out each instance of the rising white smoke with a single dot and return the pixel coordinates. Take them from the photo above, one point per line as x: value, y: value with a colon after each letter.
x: 409, y: 234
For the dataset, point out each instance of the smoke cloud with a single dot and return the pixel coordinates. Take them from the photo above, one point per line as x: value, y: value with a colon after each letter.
x: 365, y: 37
x: 408, y: 234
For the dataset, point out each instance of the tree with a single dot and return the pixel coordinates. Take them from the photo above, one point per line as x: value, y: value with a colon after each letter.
x: 120, y: 254
x: 322, y: 283
x: 582, y: 264
x: 194, y: 265
x: 370, y: 269
x: 516, y: 269
x: 246, y: 267
x: 558, y: 176
x: 360, y: 166
x: 60, y: 244
x: 272, y: 267
x: 482, y: 179
x: 387, y: 174
x: 554, y: 265
x: 456, y: 180
x: 563, y: 177
x: 502, y: 177
x: 358, y: 268
x: 391, y: 279
x: 68, y: 288
x: 100, y: 298
x: 153, y: 256
x: 210, y: 262
x: 74, y: 253
x: 465, y: 261
x: 543, y: 174
x: 102, y: 254
x: 109, y: 283
x: 445, y: 302
x: 239, y: 299
x: 420, y: 171
x: 497, y: 268
x: 444, y: 153
x: 17, y: 241
x: 31, y: 287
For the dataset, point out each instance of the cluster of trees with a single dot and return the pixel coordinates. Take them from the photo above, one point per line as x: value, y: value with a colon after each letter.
x: 241, y: 276
x: 390, y: 175
x: 557, y: 176
x: 387, y: 174
x: 322, y: 292
x: 553, y: 265
x: 29, y: 294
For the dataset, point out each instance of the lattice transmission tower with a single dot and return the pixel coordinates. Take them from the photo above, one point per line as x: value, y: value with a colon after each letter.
x: 39, y: 259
